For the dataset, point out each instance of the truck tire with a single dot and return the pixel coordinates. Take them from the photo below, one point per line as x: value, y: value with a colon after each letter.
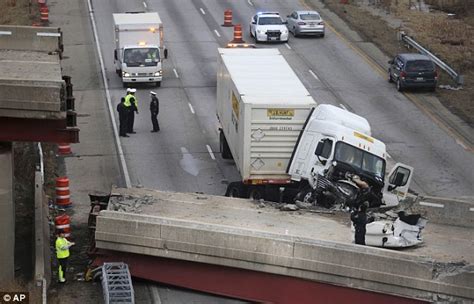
x: 225, y: 150
x: 235, y: 189
x: 256, y: 193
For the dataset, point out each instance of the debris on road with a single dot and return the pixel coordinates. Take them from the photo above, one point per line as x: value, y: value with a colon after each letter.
x: 129, y: 203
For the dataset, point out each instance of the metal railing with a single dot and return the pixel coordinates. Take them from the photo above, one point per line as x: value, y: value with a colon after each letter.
x: 117, y: 284
x: 411, y: 42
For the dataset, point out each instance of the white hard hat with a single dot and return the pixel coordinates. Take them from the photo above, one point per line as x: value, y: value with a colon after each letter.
x: 152, y: 93
x: 128, y: 90
x: 133, y: 90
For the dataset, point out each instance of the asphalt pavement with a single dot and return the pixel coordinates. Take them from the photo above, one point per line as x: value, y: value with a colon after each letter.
x: 184, y: 155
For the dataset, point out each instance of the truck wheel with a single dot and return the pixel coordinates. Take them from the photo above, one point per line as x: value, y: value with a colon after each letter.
x: 234, y: 189
x: 225, y: 150
x: 256, y: 193
x: 119, y: 72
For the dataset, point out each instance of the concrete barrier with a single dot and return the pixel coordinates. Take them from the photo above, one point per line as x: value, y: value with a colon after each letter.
x: 42, y: 265
x: 446, y: 211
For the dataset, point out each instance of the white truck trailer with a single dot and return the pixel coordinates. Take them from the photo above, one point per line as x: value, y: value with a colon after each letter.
x: 139, y: 49
x: 284, y: 145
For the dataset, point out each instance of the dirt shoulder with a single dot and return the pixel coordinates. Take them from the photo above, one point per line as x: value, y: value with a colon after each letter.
x: 449, y: 37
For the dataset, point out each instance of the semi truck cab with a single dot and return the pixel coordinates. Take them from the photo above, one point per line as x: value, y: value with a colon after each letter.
x: 336, y: 142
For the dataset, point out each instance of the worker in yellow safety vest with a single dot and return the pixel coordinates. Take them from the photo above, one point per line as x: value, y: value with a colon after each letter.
x: 62, y: 253
x: 131, y: 104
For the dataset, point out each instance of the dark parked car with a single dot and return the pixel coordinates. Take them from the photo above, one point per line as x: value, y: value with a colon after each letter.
x: 413, y: 71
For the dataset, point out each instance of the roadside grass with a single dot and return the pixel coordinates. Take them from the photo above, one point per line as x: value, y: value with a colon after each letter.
x: 451, y: 38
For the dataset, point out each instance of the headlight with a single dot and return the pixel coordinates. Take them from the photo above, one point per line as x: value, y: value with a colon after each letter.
x: 259, y: 31
x: 125, y: 74
x: 157, y: 74
x: 285, y: 31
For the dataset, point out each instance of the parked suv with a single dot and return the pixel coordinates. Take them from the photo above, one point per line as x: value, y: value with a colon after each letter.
x: 413, y: 71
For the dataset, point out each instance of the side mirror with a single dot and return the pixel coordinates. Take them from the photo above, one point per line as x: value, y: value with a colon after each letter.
x: 288, y: 16
x: 285, y: 22
x: 115, y: 54
x: 254, y: 22
x: 165, y: 53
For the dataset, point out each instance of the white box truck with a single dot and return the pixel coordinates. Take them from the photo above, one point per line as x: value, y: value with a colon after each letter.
x: 285, y: 147
x: 139, y: 49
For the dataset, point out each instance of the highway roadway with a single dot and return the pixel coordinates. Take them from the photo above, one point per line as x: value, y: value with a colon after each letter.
x: 184, y: 155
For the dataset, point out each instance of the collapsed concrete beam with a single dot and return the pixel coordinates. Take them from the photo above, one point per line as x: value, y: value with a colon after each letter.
x: 198, y: 234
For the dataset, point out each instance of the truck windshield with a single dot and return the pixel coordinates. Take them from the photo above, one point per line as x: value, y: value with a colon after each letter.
x: 360, y: 159
x: 141, y: 57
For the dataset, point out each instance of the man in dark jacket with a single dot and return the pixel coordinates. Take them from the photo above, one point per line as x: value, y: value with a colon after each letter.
x: 123, y: 118
x: 359, y: 218
x: 154, y: 110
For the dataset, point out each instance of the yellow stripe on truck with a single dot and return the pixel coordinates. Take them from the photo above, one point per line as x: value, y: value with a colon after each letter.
x: 363, y: 136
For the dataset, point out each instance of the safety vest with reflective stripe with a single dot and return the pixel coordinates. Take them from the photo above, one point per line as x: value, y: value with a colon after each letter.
x: 62, y: 248
x: 128, y: 102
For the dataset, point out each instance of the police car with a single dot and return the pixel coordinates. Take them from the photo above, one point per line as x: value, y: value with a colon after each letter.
x: 268, y: 26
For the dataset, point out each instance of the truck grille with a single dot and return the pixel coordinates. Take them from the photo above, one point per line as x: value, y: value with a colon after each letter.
x: 142, y: 74
x: 322, y: 182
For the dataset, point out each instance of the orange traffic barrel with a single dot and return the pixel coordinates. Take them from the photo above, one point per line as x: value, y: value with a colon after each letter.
x: 63, y: 224
x: 238, y: 34
x: 63, y: 195
x: 44, y: 14
x: 64, y: 149
x: 227, y: 18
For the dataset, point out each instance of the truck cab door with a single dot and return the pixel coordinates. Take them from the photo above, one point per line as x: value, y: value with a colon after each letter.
x: 397, y: 184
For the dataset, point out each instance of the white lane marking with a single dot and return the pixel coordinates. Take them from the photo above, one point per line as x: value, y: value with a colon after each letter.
x: 144, y: 4
x: 128, y: 183
x: 176, y: 73
x: 288, y: 46
x: 432, y: 205
x: 202, y: 11
x: 217, y: 33
x: 155, y: 294
x: 461, y: 144
x: 343, y: 106
x: 191, y: 107
x: 314, y: 75
x: 210, y: 152
x: 388, y: 155
x: 250, y: 2
x: 471, y: 209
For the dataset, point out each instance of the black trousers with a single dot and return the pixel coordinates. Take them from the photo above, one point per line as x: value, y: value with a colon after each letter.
x: 154, y: 121
x: 123, y: 125
x: 131, y: 120
x: 360, y: 235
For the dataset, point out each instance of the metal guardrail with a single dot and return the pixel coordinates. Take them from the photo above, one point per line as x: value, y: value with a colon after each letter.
x: 411, y: 42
